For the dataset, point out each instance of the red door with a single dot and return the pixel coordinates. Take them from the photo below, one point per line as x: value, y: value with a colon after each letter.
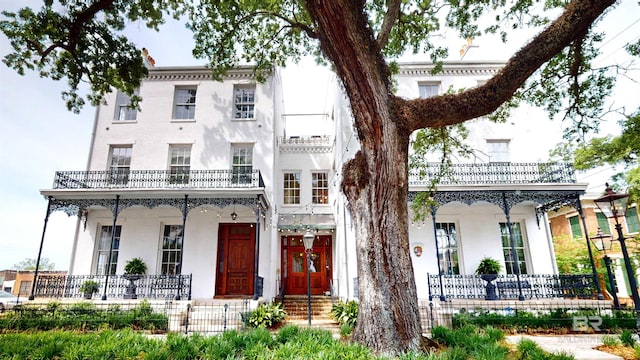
x: 236, y: 255
x: 296, y: 265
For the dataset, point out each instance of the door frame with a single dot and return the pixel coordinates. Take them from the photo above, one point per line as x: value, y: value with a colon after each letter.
x: 320, y: 280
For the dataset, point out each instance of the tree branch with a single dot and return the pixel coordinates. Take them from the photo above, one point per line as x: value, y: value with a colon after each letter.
x: 450, y: 109
x: 393, y: 13
x: 84, y: 16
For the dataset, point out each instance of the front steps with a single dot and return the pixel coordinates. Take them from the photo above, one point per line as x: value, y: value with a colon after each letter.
x: 297, y: 313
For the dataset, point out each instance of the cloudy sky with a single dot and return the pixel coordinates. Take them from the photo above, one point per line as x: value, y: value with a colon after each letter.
x: 39, y: 136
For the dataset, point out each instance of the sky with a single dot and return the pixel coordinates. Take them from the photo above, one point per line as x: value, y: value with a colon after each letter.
x: 38, y: 136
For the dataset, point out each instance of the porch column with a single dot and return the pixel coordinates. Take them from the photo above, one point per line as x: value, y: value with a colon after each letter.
x: 185, y: 211
x: 586, y: 236
x: 435, y: 237
x: 514, y: 254
x: 44, y: 230
x: 256, y: 295
x: 113, y: 236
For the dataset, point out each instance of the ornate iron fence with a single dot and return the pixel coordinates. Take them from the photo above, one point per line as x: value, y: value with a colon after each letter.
x: 537, y: 286
x: 147, y: 287
x: 158, y: 179
x: 495, y: 173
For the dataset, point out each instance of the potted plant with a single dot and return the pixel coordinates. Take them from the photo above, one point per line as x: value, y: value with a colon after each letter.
x: 88, y: 288
x: 134, y: 269
x: 488, y: 270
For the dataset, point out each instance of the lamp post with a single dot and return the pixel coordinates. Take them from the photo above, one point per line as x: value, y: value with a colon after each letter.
x: 307, y: 240
x: 614, y: 205
x: 603, y: 243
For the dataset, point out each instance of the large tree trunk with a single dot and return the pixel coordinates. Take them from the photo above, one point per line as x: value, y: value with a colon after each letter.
x: 375, y: 182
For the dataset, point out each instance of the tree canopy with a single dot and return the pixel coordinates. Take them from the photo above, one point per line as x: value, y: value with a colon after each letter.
x: 30, y: 264
x: 81, y: 40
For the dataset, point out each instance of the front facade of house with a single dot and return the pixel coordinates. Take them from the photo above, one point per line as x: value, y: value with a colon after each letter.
x: 205, y: 185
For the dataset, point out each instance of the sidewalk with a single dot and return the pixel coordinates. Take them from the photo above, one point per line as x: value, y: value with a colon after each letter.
x: 580, y: 346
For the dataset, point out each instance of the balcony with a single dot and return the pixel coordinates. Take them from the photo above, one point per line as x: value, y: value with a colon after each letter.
x: 158, y: 179
x: 296, y: 144
x: 495, y: 173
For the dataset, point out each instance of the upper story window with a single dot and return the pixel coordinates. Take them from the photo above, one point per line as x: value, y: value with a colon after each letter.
x: 244, y: 101
x: 241, y: 163
x: 184, y: 103
x: 498, y: 150
x: 428, y: 90
x: 320, y: 187
x: 291, y: 188
x: 179, y: 163
x: 119, y: 164
x: 576, y: 229
x: 123, y: 111
x: 633, y: 222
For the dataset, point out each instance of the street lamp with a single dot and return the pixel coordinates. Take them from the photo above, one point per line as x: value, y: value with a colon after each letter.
x: 603, y: 243
x: 307, y: 240
x: 614, y: 205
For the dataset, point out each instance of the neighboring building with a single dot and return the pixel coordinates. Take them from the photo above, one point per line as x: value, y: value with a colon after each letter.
x: 19, y: 282
x: 567, y: 221
x: 205, y: 184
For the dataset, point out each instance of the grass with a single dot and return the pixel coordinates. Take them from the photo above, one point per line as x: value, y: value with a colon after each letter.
x: 289, y: 342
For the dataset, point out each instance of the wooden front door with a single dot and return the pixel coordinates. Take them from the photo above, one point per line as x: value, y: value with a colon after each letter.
x: 236, y: 255
x: 295, y: 265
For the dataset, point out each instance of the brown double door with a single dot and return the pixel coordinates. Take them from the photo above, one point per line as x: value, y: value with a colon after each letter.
x: 296, y: 267
x: 236, y: 255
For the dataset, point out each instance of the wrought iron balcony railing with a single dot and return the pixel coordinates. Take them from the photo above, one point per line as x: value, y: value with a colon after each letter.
x: 147, y: 286
x: 158, y: 179
x: 538, y: 286
x: 495, y: 173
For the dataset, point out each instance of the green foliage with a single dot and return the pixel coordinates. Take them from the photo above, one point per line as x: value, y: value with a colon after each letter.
x: 470, y: 342
x: 572, y: 255
x: 89, y: 287
x: 627, y: 338
x: 30, y: 264
x: 345, y: 313
x: 561, y: 320
x: 623, y: 149
x: 135, y: 266
x: 266, y: 315
x: 84, y: 316
x: 488, y: 266
x: 610, y: 340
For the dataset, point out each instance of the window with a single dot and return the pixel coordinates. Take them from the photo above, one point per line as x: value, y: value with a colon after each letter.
x: 576, y: 230
x: 603, y: 223
x: 123, y: 111
x: 171, y: 250
x: 25, y: 287
x: 104, y: 245
x: 291, y: 188
x: 498, y: 150
x: 244, y: 102
x: 319, y: 188
x: 448, y: 248
x: 633, y: 224
x: 241, y: 163
x: 179, y: 164
x: 519, y: 245
x: 185, y: 103
x: 119, y: 164
x: 428, y: 90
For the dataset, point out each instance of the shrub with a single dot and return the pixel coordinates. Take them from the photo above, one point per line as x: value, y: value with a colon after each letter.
x: 609, y: 340
x: 345, y: 313
x: 627, y: 338
x: 266, y: 315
